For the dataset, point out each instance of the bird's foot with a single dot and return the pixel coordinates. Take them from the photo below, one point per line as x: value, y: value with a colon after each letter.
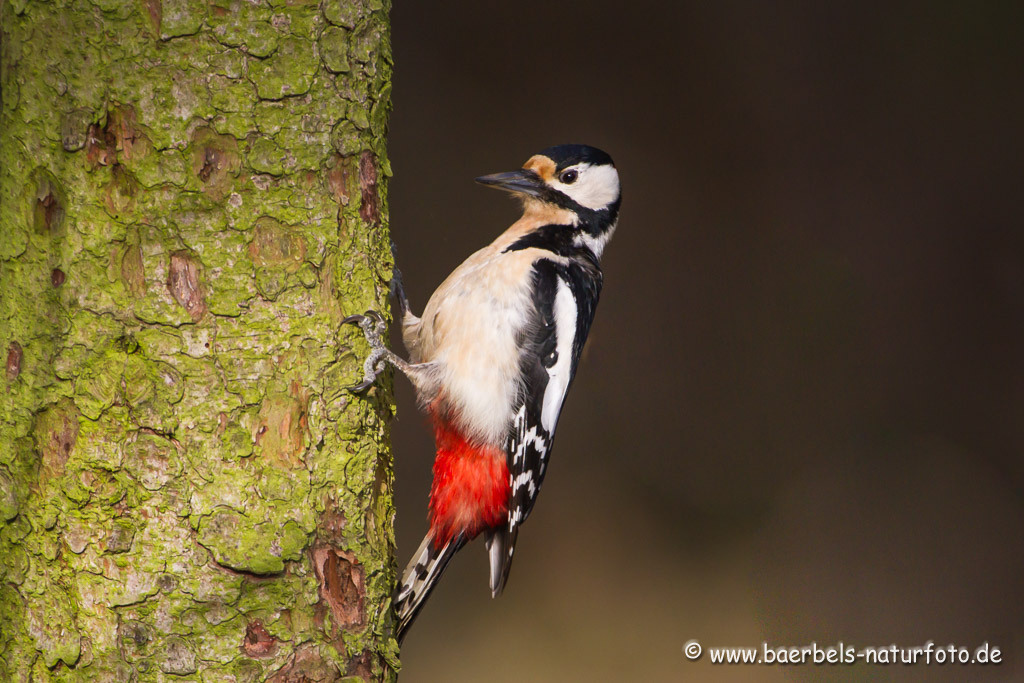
x: 374, y: 328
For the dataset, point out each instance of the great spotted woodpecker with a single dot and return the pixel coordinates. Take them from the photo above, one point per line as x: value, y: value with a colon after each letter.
x: 493, y: 355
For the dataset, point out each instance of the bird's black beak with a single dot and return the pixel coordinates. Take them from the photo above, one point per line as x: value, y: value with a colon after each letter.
x: 520, y: 182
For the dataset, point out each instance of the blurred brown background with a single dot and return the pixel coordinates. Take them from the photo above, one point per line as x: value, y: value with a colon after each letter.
x: 799, y: 416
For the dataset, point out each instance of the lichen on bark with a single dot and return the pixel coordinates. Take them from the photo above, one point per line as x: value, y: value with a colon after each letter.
x: 192, y: 199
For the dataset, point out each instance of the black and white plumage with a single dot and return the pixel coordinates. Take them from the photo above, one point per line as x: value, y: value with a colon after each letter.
x: 493, y: 356
x: 565, y: 298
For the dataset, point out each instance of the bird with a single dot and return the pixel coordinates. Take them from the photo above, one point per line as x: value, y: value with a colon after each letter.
x: 492, y: 357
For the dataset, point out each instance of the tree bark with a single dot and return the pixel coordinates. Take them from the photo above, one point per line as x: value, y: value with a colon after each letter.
x: 192, y: 198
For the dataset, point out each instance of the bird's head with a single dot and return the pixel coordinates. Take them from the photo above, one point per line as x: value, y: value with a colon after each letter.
x: 576, y: 178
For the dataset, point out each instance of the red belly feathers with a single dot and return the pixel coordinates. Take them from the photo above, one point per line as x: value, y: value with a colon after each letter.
x: 470, y: 489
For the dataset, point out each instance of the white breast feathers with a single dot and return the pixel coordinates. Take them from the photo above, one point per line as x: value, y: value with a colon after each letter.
x: 470, y: 329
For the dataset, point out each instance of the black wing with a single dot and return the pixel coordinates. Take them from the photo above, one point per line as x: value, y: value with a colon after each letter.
x: 565, y: 298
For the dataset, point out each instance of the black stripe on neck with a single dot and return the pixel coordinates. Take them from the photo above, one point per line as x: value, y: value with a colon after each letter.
x: 558, y: 239
x: 595, y: 222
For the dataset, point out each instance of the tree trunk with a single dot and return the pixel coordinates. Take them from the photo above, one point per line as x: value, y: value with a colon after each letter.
x: 192, y: 200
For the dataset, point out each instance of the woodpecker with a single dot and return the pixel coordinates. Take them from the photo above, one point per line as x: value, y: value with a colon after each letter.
x: 493, y: 355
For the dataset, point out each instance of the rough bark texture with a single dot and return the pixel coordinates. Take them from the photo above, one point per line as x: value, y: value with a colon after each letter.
x: 192, y: 199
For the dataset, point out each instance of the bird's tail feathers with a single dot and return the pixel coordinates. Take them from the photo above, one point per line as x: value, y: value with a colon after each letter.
x: 500, y: 544
x: 420, y: 577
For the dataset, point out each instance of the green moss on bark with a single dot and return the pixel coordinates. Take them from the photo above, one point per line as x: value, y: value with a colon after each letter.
x: 189, y: 206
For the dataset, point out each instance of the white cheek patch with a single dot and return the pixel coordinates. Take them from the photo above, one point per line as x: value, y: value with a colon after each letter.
x: 597, y: 187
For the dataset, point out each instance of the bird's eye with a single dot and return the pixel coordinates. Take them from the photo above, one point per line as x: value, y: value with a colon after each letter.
x: 569, y: 177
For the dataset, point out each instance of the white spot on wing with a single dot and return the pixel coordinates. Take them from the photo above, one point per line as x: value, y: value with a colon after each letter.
x: 525, y: 479
x: 559, y: 374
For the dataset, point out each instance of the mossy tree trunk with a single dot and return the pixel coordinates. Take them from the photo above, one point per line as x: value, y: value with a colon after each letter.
x: 192, y: 200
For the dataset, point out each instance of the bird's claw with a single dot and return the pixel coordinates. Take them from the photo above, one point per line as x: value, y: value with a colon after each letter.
x: 359, y: 388
x: 362, y: 386
x: 372, y: 368
x: 354, y: 318
x: 373, y: 325
x: 371, y: 322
